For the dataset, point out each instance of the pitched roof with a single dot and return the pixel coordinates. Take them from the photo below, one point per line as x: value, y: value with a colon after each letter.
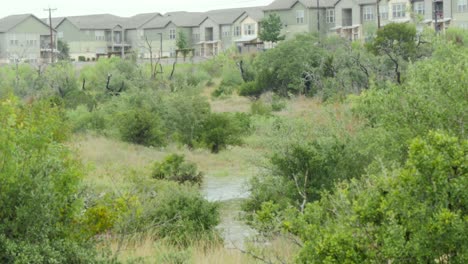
x: 55, y: 21
x: 225, y: 16
x: 9, y: 22
x: 100, y: 21
x: 288, y: 4
x: 140, y: 19
x: 180, y: 19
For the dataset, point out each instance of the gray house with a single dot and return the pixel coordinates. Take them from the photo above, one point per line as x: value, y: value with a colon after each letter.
x: 24, y: 38
x: 93, y: 35
x: 303, y: 16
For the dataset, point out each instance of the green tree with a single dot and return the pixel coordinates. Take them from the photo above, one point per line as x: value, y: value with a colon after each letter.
x: 398, y: 42
x: 63, y: 49
x: 219, y: 131
x: 182, y: 44
x: 271, y: 28
x: 40, y: 204
x: 417, y: 214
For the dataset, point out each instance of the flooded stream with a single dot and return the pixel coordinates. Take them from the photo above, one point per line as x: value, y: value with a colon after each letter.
x: 229, y: 191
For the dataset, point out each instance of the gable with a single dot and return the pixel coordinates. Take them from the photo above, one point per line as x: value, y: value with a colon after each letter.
x: 31, y: 25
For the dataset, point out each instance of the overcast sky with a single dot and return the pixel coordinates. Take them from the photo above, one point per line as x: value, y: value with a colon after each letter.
x: 118, y: 7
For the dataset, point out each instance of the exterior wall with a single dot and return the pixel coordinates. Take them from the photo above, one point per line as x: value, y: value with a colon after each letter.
x: 459, y: 18
x: 288, y: 19
x: 169, y: 46
x: 208, y: 23
x: 81, y: 42
x: 23, y: 42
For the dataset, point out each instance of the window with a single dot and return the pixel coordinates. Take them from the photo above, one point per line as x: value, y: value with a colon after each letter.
x: 249, y: 29
x: 418, y: 8
x: 196, y: 37
x: 368, y: 13
x: 383, y: 10
x: 60, y: 34
x: 99, y: 35
x: 399, y: 10
x: 31, y: 42
x: 300, y: 16
x: 237, y: 31
x: 14, y: 42
x: 172, y: 34
x: 330, y: 16
x: 226, y: 31
x: 462, y: 5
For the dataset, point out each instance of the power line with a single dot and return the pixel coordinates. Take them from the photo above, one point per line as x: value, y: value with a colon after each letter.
x: 51, y: 34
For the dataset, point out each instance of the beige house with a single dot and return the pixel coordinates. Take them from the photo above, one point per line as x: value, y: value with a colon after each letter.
x: 24, y: 38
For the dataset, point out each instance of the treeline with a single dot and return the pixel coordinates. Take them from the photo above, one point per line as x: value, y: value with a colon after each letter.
x: 381, y: 178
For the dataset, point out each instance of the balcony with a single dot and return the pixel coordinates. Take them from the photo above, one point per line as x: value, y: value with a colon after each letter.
x: 347, y: 22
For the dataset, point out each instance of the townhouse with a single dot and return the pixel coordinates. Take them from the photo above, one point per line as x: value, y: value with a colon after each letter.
x: 160, y: 34
x: 300, y: 16
x: 25, y: 38
x: 93, y: 36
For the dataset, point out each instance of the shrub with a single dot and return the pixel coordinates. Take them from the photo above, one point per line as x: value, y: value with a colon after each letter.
x: 175, y: 168
x: 250, y: 89
x: 219, y: 131
x: 81, y: 58
x: 142, y: 127
x: 260, y: 108
x: 40, y: 178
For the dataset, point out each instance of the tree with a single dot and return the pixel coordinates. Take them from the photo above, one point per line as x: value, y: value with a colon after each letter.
x: 271, y: 28
x: 416, y: 214
x: 175, y: 168
x: 220, y: 130
x: 40, y: 205
x: 398, y: 42
x: 182, y: 44
x: 63, y: 49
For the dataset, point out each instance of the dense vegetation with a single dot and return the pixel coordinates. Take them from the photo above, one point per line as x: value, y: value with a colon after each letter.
x: 374, y: 171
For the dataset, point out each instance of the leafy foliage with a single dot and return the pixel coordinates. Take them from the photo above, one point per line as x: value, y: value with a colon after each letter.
x: 415, y: 214
x: 271, y: 28
x: 175, y: 168
x: 39, y: 202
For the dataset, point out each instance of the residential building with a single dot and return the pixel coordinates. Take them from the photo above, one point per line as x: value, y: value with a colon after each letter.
x: 246, y: 29
x: 459, y: 10
x: 92, y: 36
x: 24, y: 38
x: 162, y: 32
x: 303, y: 16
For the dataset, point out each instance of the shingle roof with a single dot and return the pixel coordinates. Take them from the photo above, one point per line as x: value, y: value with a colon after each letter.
x: 10, y: 22
x: 229, y: 16
x: 55, y: 21
x: 180, y: 19
x: 140, y: 19
x: 100, y: 21
x: 287, y: 4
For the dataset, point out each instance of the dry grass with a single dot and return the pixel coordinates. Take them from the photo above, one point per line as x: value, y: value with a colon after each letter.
x: 110, y: 160
x: 234, y: 103
x: 150, y: 251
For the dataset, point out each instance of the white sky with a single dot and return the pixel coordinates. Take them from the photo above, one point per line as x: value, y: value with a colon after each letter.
x: 118, y: 7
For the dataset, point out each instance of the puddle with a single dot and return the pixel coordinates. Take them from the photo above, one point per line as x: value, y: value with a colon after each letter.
x: 219, y: 189
x: 230, y: 191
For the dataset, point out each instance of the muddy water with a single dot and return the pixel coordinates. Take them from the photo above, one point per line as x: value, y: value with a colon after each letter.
x: 229, y: 191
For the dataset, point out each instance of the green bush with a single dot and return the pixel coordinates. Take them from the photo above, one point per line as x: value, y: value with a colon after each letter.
x: 219, y: 131
x: 39, y: 191
x: 175, y: 168
x: 143, y: 127
x: 81, y: 58
x: 250, y: 89
x: 260, y: 108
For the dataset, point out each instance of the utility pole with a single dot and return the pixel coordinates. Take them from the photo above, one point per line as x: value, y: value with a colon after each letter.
x: 51, y: 34
x: 318, y: 17
x: 160, y: 45
x: 378, y: 14
x: 435, y: 16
